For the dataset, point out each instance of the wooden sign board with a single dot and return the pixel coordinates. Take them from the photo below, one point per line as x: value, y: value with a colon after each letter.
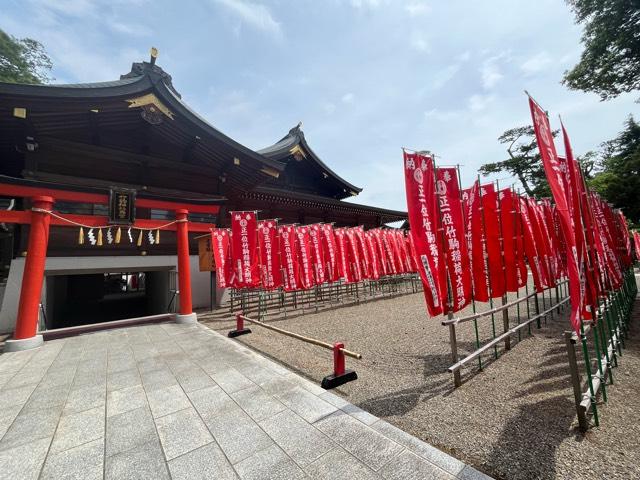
x: 205, y: 254
x: 122, y: 207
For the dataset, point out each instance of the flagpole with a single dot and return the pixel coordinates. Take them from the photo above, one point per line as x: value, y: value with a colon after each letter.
x: 526, y: 283
x: 505, y: 311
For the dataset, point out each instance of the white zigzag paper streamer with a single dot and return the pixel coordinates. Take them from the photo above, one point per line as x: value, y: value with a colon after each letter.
x: 92, y: 237
x: 130, y: 235
x: 109, y: 236
x: 152, y: 240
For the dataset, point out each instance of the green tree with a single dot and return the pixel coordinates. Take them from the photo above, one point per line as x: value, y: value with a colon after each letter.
x: 618, y: 180
x: 23, y: 60
x: 610, y: 62
x: 524, y: 161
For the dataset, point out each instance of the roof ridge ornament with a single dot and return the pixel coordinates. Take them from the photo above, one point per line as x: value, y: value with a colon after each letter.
x: 156, y: 73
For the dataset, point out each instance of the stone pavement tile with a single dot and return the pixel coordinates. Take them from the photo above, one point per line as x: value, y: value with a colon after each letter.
x: 7, y: 415
x: 54, y: 378
x: 123, y: 379
x: 85, y: 397
x: 143, y: 462
x: 128, y: 430
x: 278, y: 386
x: 25, y: 377
x: 24, y: 462
x: 182, y: 432
x: 409, y: 466
x: 444, y: 461
x: 362, y: 415
x: 258, y: 375
x: 15, y: 396
x: 157, y: 379
x: 339, y: 464
x: 257, y: 403
x: 304, y: 383
x: 211, y: 402
x: 125, y: 399
x: 306, y: 404
x: 470, y: 473
x: 78, y: 428
x: 30, y: 426
x: 334, y: 399
x: 271, y: 463
x: 167, y: 400
x: 4, y: 378
x: 300, y: 440
x: 193, y: 379
x: 44, y: 396
x: 84, y: 462
x: 238, y: 435
x: 368, y: 445
x: 91, y: 378
x: 231, y: 380
x: 150, y: 364
x: 205, y: 463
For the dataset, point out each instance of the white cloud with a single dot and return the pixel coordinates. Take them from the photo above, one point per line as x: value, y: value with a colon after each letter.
x: 416, y: 9
x: 348, y: 97
x: 365, y: 3
x: 490, y: 71
x: 419, y: 42
x: 536, y: 64
x: 254, y: 14
x: 479, y: 102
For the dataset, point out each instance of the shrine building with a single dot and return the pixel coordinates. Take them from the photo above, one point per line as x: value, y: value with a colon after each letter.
x: 132, y: 155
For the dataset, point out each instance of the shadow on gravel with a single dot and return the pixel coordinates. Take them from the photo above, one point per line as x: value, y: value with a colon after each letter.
x: 527, y: 446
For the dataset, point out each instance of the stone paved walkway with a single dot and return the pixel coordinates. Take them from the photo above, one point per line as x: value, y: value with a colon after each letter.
x: 183, y: 402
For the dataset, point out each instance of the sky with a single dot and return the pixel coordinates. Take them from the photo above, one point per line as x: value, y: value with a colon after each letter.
x: 366, y: 77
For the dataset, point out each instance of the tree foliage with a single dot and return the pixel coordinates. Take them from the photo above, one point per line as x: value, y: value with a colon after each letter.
x: 524, y: 161
x: 610, y: 62
x: 23, y: 60
x: 618, y: 180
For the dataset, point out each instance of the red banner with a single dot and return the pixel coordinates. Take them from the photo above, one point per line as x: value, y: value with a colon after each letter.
x: 492, y: 231
x: 342, y: 251
x: 382, y: 252
x: 515, y: 268
x: 557, y: 181
x: 289, y: 257
x: 363, y: 252
x: 422, y: 210
x: 636, y: 244
x: 374, y: 259
x: 530, y: 248
x: 455, y: 245
x: 244, y: 249
x: 330, y: 253
x: 354, y: 254
x: 220, y: 241
x: 269, y: 254
x: 476, y: 245
x: 317, y: 253
x: 306, y: 263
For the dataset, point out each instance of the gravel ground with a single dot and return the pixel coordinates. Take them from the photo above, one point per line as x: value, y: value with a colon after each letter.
x: 515, y: 419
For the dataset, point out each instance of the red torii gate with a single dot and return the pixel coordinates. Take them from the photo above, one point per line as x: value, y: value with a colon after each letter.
x: 40, y: 218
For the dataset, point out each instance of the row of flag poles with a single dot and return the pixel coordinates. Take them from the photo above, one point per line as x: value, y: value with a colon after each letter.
x: 474, y: 244
x: 257, y: 253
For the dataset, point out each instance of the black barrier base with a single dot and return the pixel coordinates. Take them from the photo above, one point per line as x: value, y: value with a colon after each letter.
x: 333, y: 381
x: 237, y: 333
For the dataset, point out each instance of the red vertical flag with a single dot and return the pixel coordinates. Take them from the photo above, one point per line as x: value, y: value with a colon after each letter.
x: 476, y: 245
x: 317, y: 253
x: 221, y: 256
x: 342, y: 250
x: 289, y: 257
x: 455, y: 245
x: 306, y: 263
x: 422, y: 209
x: 244, y: 249
x: 515, y: 269
x: 557, y: 181
x: 492, y: 232
x: 269, y: 254
x: 530, y: 247
x: 330, y: 253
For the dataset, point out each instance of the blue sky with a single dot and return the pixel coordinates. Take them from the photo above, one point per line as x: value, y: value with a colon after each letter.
x: 366, y: 77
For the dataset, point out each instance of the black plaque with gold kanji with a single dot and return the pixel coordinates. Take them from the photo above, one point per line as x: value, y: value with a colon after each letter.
x: 122, y: 209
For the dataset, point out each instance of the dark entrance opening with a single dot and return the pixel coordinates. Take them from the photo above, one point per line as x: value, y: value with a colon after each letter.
x: 84, y: 299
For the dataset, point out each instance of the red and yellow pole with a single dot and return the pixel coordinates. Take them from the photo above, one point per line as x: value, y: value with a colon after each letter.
x: 186, y: 314
x: 25, y: 336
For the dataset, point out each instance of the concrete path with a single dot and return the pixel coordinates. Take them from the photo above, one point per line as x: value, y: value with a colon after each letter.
x: 183, y: 402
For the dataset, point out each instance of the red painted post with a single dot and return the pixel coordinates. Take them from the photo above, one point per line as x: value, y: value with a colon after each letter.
x: 33, y: 276
x: 239, y: 322
x: 338, y: 359
x: 184, y: 272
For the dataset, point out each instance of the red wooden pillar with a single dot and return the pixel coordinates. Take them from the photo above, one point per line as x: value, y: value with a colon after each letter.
x: 186, y: 314
x: 25, y: 336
